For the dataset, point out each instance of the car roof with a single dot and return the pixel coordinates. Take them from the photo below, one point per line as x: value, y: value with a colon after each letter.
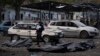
x: 5, y: 21
x: 27, y: 22
x: 65, y: 21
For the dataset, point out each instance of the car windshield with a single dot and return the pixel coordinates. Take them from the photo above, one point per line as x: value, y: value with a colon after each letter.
x: 79, y: 24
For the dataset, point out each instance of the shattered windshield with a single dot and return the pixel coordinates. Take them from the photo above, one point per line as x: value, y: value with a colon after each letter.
x: 79, y: 24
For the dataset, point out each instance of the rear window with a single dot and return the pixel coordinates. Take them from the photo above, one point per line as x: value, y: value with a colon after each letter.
x: 20, y: 26
x: 25, y: 26
x: 7, y: 24
x: 53, y: 23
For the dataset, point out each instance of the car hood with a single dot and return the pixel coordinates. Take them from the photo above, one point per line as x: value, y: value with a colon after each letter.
x: 89, y: 28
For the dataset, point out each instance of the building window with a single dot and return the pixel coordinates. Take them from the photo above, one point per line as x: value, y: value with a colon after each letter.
x: 21, y: 15
x: 2, y: 16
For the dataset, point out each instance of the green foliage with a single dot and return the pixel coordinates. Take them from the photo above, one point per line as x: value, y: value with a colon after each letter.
x: 3, y: 2
x: 14, y: 3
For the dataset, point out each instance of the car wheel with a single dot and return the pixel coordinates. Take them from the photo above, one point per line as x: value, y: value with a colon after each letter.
x: 28, y: 46
x: 92, y: 37
x: 46, y: 38
x: 84, y: 34
x: 16, y: 37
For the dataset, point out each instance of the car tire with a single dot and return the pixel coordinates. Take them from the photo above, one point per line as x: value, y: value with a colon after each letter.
x: 16, y: 37
x: 46, y: 38
x: 84, y: 34
x: 92, y: 37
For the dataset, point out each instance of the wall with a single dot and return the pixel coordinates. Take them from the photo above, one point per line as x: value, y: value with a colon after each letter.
x: 33, y: 14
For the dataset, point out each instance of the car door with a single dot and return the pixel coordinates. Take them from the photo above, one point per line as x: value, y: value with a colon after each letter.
x: 24, y: 30
x: 63, y: 26
x: 72, y: 29
x: 21, y: 29
x: 32, y: 30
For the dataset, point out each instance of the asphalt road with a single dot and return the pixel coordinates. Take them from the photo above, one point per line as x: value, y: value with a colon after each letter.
x: 8, y: 51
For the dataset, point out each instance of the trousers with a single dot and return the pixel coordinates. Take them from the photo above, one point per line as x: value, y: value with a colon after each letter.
x: 39, y: 38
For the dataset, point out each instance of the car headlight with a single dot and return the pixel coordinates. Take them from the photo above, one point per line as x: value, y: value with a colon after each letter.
x: 60, y: 34
x: 56, y: 33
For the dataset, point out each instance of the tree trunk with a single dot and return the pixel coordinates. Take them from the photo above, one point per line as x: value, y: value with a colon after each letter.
x: 0, y: 13
x: 17, y: 11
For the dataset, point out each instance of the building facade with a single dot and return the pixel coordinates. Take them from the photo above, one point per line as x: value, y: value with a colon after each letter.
x: 43, y: 15
x: 34, y: 14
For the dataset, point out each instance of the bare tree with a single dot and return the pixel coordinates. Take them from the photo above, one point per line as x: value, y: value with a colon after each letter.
x: 16, y: 4
x: 2, y: 4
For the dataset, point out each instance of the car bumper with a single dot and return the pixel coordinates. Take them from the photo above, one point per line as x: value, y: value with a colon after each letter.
x: 94, y: 33
x: 58, y: 36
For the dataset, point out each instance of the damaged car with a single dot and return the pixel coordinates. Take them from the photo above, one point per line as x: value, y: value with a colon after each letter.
x: 28, y: 29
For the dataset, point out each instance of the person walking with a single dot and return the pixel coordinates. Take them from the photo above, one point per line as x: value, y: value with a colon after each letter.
x: 39, y: 30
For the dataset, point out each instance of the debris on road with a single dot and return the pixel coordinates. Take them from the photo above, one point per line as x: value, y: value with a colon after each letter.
x: 18, y: 43
x: 68, y: 47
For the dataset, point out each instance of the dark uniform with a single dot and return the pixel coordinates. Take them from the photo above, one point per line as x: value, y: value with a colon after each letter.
x: 39, y: 29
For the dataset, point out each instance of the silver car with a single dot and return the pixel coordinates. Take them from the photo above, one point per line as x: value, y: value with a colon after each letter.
x: 73, y: 28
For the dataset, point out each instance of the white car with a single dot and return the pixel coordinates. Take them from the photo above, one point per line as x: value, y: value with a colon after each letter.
x: 73, y: 28
x: 27, y: 29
